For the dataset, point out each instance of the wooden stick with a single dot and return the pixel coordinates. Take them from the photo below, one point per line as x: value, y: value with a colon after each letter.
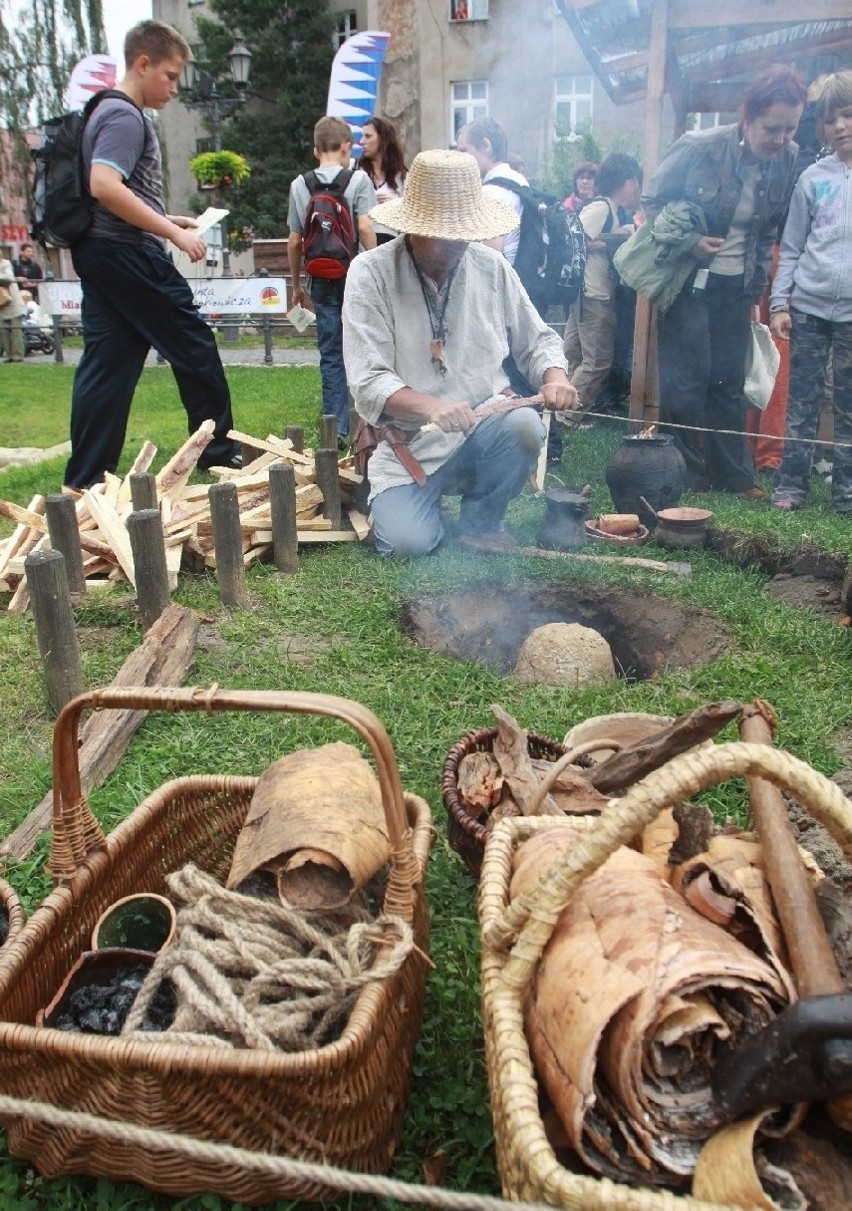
x: 178, y: 469
x: 630, y: 561
x: 65, y: 537
x: 296, y: 435
x: 328, y: 431
x: 145, y: 530
x: 143, y: 491
x: 326, y: 462
x: 282, y: 500
x: 56, y: 632
x: 228, y: 545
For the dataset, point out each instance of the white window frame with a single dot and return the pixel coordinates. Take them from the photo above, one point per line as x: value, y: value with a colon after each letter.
x: 472, y: 10
x: 707, y: 121
x: 576, y: 93
x: 346, y: 25
x: 468, y: 101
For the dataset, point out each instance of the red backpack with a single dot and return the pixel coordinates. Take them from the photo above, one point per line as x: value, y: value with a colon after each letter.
x: 329, y: 241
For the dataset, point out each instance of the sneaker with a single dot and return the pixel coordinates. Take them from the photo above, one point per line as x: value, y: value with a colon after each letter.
x: 787, y: 503
x: 753, y: 493
x: 234, y: 462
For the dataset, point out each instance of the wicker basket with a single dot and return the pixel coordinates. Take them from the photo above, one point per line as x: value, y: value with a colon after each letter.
x: 513, y: 938
x: 14, y: 911
x: 467, y: 835
x: 341, y: 1104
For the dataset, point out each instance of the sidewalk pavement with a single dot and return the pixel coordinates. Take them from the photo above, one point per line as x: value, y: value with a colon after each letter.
x: 231, y: 356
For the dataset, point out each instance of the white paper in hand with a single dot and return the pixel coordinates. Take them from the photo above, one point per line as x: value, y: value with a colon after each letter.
x: 208, y: 219
x: 300, y: 317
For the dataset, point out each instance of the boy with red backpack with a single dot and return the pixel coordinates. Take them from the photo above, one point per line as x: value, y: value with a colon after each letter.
x: 328, y: 217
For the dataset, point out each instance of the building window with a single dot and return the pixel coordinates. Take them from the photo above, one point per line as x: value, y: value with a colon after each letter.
x: 705, y: 121
x: 468, y: 10
x: 468, y: 101
x: 346, y: 25
x: 573, y: 105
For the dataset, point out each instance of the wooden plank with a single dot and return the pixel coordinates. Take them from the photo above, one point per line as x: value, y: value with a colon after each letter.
x: 180, y: 466
x: 360, y: 524
x: 19, y: 535
x: 163, y: 658
x: 23, y: 517
x: 115, y: 532
x: 694, y: 14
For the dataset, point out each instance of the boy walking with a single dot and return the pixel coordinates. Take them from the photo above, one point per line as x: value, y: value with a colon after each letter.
x: 332, y: 148
x: 133, y: 296
x: 811, y: 305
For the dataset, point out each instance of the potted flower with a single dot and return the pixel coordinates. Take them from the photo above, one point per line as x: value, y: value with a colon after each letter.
x: 219, y: 169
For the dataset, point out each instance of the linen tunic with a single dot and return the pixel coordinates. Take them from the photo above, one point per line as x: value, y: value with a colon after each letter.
x: 387, y: 335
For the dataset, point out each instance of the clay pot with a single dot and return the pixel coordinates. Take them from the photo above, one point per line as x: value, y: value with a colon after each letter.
x: 563, y: 527
x: 142, y: 922
x: 650, y: 467
x: 685, y: 527
x: 94, y: 968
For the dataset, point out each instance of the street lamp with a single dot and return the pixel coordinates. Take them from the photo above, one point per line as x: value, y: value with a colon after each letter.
x: 199, y: 89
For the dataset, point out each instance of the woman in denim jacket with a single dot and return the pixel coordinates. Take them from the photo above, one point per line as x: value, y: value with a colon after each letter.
x: 741, y: 176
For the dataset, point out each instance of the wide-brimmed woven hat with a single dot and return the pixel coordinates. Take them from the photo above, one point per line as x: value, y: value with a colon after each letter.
x: 443, y: 200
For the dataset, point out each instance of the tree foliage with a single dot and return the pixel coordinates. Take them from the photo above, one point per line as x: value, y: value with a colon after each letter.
x: 40, y: 42
x: 292, y: 54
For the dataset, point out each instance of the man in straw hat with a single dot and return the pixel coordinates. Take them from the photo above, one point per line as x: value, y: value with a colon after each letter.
x: 428, y: 321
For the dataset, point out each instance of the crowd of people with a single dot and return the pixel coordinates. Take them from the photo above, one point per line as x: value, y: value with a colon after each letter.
x: 432, y: 334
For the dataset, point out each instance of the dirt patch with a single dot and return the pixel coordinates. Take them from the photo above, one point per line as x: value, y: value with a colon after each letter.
x: 807, y: 592
x: 763, y: 553
x: 489, y: 621
x: 304, y: 649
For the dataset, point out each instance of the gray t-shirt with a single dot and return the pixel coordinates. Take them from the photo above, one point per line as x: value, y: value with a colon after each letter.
x: 119, y: 135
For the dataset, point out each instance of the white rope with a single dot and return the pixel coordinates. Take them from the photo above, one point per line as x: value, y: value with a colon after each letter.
x: 257, y: 1162
x: 664, y: 426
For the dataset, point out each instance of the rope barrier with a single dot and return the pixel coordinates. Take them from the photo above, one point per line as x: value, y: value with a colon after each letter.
x: 666, y: 425
x: 261, y: 1163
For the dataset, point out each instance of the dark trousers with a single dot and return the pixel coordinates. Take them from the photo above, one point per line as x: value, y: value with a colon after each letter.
x: 520, y: 385
x: 327, y: 297
x: 134, y: 299
x: 702, y: 343
x: 811, y: 341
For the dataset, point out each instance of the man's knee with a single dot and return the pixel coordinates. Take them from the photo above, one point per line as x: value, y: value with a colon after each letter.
x: 526, y: 430
x: 403, y: 535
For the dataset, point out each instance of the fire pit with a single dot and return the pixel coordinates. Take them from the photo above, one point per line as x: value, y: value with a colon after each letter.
x: 489, y: 621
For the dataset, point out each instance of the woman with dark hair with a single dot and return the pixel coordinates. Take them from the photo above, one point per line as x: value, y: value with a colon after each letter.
x: 739, y: 178
x: 583, y: 185
x: 382, y: 160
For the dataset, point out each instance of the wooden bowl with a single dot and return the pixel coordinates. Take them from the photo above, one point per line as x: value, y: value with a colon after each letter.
x: 595, y: 534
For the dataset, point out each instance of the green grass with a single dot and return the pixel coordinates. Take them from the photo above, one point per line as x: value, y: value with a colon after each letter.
x: 333, y: 626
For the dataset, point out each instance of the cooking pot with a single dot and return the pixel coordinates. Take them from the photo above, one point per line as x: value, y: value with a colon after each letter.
x: 681, y: 527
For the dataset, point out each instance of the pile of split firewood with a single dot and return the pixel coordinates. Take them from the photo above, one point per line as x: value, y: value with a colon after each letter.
x: 103, y: 510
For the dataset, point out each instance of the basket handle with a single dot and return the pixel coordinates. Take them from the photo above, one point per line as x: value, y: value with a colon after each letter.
x: 76, y: 832
x: 526, y: 925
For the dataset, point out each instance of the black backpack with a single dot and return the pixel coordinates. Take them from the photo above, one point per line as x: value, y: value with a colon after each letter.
x: 61, y: 209
x: 551, y: 256
x: 329, y: 241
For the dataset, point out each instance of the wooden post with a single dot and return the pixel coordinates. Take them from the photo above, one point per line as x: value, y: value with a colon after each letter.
x: 228, y: 545
x: 328, y: 432
x: 296, y: 434
x: 644, y: 387
x: 143, y: 490
x: 64, y: 534
x: 58, y: 645
x: 282, y: 499
x: 147, y: 542
x: 328, y: 481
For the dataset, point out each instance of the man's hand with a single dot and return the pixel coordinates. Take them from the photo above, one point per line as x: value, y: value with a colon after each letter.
x: 706, y: 246
x: 557, y: 392
x: 453, y: 416
x: 191, y: 244
x: 781, y: 325
x: 182, y: 220
x: 299, y: 296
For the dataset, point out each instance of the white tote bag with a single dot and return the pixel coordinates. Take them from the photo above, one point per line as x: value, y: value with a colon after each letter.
x: 761, y: 368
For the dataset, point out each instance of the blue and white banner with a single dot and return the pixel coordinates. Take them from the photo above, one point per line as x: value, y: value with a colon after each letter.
x: 354, y: 84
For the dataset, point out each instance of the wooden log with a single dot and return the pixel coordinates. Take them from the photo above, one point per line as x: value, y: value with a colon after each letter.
x: 22, y: 517
x: 282, y: 500
x: 228, y: 545
x: 143, y: 491
x: 329, y: 484
x: 56, y: 632
x: 328, y: 431
x: 163, y: 658
x: 145, y: 529
x: 19, y: 536
x: 114, y: 530
x: 296, y: 435
x: 65, y: 538
x: 360, y: 524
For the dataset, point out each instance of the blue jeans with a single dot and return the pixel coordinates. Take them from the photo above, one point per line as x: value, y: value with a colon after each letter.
x: 133, y: 299
x: 488, y: 471
x: 327, y: 298
x: 811, y: 341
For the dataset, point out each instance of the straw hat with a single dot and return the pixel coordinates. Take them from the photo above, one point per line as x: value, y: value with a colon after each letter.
x: 443, y: 200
